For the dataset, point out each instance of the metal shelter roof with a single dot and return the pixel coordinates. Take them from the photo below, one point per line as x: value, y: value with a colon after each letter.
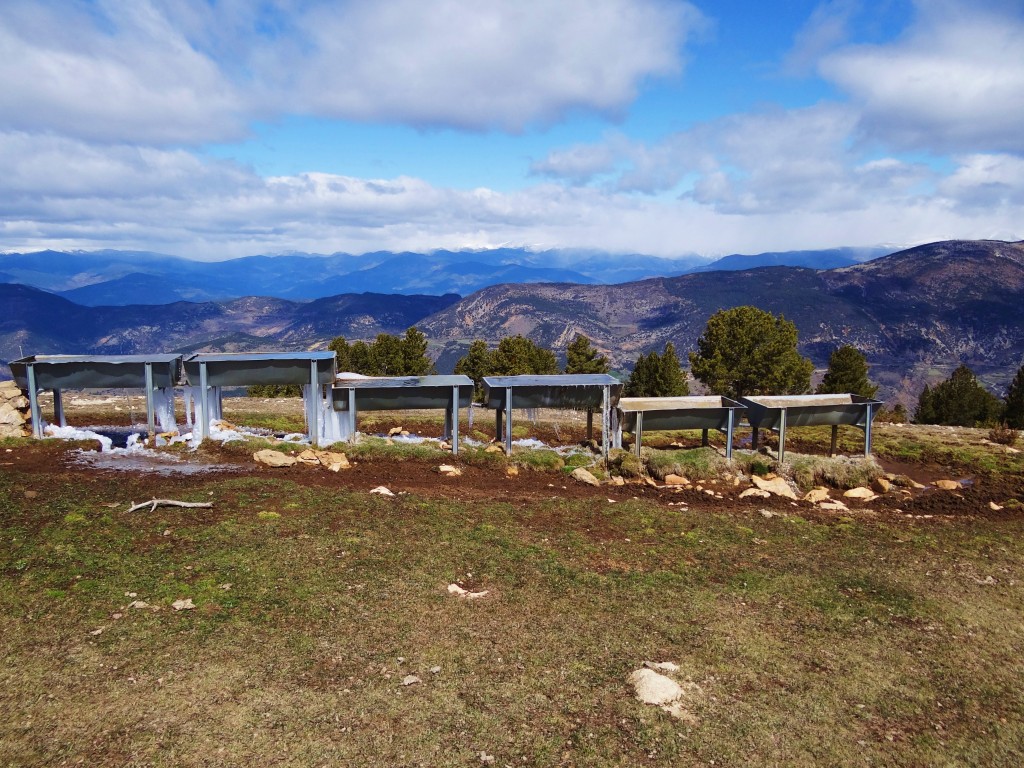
x: 765, y: 412
x: 386, y: 393
x: 96, y: 371
x: 696, y: 412
x: 576, y: 390
x: 244, y: 369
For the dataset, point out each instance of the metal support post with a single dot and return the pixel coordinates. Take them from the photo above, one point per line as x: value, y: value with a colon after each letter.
x: 638, y: 431
x: 728, y: 434
x: 782, y: 436
x: 590, y: 424
x: 704, y: 438
x: 455, y: 420
x: 33, y: 400
x: 508, y: 421
x: 314, y: 405
x: 753, y: 438
x: 867, y: 430
x: 835, y: 440
x: 352, y: 415
x: 150, y: 416
x: 58, y: 409
x: 606, y: 397
x: 203, y: 403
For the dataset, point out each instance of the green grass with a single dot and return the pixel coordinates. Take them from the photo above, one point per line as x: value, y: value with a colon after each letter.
x: 838, y: 642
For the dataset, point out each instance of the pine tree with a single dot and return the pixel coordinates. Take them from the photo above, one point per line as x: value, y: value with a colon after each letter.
x: 581, y: 357
x: 517, y: 355
x: 1015, y: 401
x: 414, y: 354
x: 657, y: 375
x: 847, y: 374
x: 959, y: 401
x: 476, y: 363
x: 342, y: 352
x: 747, y: 351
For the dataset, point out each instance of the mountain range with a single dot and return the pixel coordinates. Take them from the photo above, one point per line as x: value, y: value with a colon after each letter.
x: 915, y: 314
x: 120, y: 278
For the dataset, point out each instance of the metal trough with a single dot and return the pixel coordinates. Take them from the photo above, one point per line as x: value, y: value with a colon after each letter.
x: 397, y: 393
x: 209, y: 372
x: 778, y: 412
x: 152, y: 373
x: 661, y: 413
x: 570, y: 391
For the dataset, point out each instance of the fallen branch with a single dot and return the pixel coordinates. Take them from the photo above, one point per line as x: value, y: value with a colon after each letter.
x: 154, y: 503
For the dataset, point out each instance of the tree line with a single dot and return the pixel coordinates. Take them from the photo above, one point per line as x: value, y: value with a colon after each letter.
x: 743, y: 351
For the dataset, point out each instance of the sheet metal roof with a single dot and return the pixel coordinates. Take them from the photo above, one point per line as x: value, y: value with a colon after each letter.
x: 96, y: 371
x: 556, y: 380
x: 693, y: 402
x: 387, y: 382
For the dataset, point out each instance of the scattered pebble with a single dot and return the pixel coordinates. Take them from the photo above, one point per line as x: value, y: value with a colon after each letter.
x: 183, y: 604
x: 383, y: 491
x: 410, y: 680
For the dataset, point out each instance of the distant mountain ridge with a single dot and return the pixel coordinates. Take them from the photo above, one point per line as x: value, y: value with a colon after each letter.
x: 119, y: 278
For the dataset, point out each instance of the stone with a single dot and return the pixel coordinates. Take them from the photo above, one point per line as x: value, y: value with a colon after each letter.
x: 9, y: 415
x: 584, y: 476
x: 455, y: 589
x: 862, y: 493
x: 662, y: 666
x: 395, y: 431
x: 882, y: 485
x: 755, y: 493
x: 308, y: 456
x: 494, y: 448
x: 382, y: 491
x: 449, y: 471
x: 184, y: 604
x: 616, y: 480
x: 274, y: 458
x: 775, y: 485
x: 443, y: 446
x: 654, y: 688
x: 676, y: 480
x: 411, y: 680
x: 334, y: 460
x: 994, y: 507
x: 511, y: 471
x: 816, y: 495
x: 836, y: 506
x: 947, y: 485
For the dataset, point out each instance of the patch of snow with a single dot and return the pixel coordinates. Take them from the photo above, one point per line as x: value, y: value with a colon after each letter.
x: 74, y: 433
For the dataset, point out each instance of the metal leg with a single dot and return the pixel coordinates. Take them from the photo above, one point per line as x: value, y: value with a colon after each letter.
x: 606, y: 398
x: 58, y: 409
x: 782, y: 436
x: 455, y: 421
x: 33, y: 400
x: 730, y: 425
x: 753, y: 438
x: 150, y: 416
x: 203, y: 403
x: 508, y: 421
x: 835, y: 440
x: 704, y: 438
x: 590, y: 424
x: 638, y: 431
x: 867, y: 431
x: 314, y: 404
x: 352, y: 415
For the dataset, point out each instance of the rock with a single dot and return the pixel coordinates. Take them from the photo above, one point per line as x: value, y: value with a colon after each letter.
x: 865, y: 494
x: 512, y: 471
x: 584, y: 476
x: 654, y: 688
x: 411, y: 680
x: 334, y: 460
x: 768, y: 514
x: 395, y: 431
x: 494, y: 448
x: 435, y: 670
x: 274, y: 458
x: 775, y: 485
x: 455, y: 589
x: 836, y: 506
x: 676, y: 480
x: 449, y: 471
x: 138, y: 604
x: 382, y: 490
x: 308, y: 456
x: 11, y: 415
x: 486, y: 759
x: 756, y: 493
x: 662, y: 666
x: 882, y: 485
x: 947, y: 485
x: 994, y: 507
x: 816, y: 495
x: 650, y: 482
x: 616, y: 480
x: 184, y: 604
x: 443, y: 446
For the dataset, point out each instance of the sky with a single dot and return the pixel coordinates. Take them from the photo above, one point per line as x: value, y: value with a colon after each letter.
x: 223, y: 128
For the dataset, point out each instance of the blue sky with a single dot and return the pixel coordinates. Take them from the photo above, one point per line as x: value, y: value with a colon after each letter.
x: 221, y: 129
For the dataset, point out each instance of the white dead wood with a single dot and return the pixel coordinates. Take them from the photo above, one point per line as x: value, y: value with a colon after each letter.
x: 154, y: 503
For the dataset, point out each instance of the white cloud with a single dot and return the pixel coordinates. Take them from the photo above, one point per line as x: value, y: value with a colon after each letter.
x: 954, y: 81
x: 167, y: 200
x: 164, y: 71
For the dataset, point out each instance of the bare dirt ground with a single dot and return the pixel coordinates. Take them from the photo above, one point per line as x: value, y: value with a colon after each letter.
x: 981, y: 489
